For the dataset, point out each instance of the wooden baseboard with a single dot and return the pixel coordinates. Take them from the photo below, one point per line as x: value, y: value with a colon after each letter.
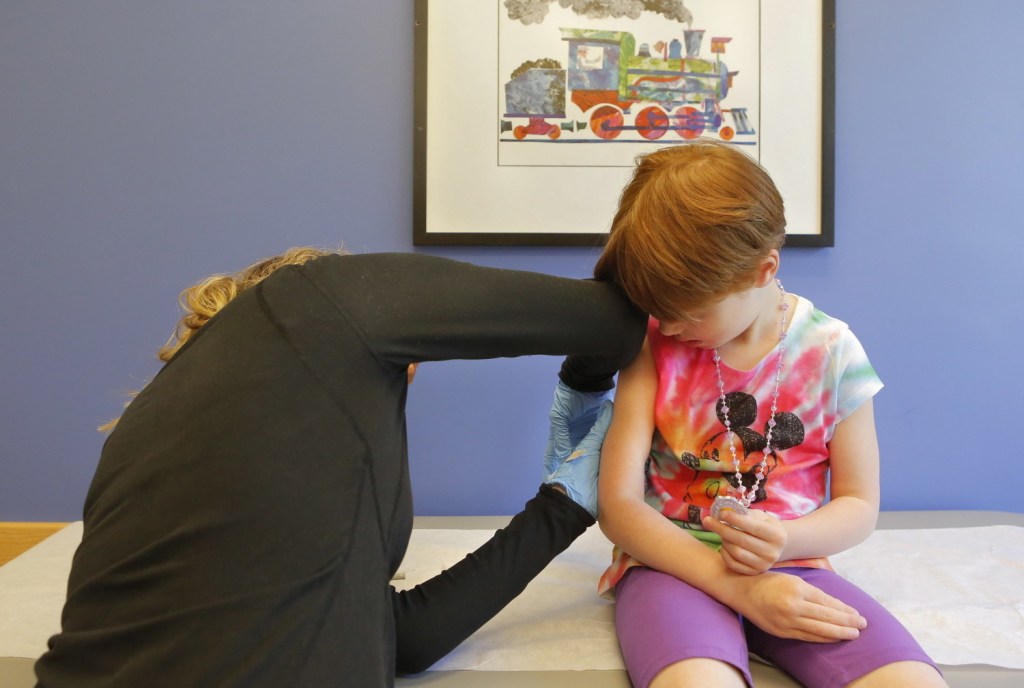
x: 16, y: 537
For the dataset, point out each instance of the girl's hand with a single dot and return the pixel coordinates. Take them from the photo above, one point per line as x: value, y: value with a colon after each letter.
x: 751, y: 543
x: 789, y: 607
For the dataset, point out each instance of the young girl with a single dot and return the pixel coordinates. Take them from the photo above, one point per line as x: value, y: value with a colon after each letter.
x: 743, y: 400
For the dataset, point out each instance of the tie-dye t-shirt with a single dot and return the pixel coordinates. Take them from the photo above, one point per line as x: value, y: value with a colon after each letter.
x: 826, y: 376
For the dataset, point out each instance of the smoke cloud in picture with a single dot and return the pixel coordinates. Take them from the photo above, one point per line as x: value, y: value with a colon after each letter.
x: 534, y: 11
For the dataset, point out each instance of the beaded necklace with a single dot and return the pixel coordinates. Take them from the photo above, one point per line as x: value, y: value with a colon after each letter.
x: 741, y: 499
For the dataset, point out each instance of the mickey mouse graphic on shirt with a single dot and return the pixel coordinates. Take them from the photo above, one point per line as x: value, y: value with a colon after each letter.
x: 787, y: 433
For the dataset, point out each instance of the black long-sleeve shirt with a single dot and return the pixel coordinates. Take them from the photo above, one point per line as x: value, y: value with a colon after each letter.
x: 253, y: 501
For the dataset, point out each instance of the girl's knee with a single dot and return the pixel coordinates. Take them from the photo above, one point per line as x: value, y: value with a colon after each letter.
x: 699, y: 671
x: 909, y: 674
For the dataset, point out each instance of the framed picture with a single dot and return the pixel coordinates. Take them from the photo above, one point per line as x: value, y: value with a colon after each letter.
x: 529, y: 115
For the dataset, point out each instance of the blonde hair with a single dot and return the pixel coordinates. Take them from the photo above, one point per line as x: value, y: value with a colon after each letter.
x: 203, y: 300
x: 692, y: 226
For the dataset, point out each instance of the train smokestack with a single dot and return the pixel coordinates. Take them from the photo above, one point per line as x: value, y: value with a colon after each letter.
x: 693, y: 38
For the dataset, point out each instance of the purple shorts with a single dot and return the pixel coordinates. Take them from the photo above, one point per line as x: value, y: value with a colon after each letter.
x: 660, y: 620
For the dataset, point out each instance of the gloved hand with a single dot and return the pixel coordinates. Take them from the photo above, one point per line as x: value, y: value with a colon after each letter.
x: 572, y: 415
x: 579, y: 422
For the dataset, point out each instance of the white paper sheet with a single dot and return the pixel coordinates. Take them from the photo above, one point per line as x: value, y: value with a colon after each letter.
x: 32, y: 591
x: 960, y: 591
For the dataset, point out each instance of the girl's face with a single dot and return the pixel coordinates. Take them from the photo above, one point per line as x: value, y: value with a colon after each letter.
x: 714, y: 326
x: 742, y: 317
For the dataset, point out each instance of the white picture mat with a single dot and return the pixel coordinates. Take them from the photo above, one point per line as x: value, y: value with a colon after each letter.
x: 468, y: 192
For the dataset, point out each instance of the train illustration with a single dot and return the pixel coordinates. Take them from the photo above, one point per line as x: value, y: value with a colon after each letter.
x: 621, y: 87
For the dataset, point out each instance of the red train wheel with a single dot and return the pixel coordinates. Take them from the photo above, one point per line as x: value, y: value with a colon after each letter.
x: 688, y: 122
x: 520, y: 132
x: 652, y: 122
x: 606, y: 121
x: 727, y: 133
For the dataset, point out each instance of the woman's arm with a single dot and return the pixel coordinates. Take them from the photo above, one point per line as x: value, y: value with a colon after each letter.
x: 780, y: 604
x: 411, y: 308
x: 432, y: 618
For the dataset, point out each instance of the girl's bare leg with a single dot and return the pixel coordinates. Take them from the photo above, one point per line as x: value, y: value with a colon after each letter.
x: 705, y: 673
x: 910, y: 674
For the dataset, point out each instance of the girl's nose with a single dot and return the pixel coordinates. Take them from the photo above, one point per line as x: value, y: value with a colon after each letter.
x: 671, y: 328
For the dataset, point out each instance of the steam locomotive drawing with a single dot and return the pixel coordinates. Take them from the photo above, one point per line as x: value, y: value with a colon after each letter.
x: 619, y: 87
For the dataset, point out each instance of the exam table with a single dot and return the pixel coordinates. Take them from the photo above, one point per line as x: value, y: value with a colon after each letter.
x: 559, y: 632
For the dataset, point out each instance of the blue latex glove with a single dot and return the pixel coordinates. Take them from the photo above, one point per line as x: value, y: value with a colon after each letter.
x: 579, y: 422
x: 572, y: 415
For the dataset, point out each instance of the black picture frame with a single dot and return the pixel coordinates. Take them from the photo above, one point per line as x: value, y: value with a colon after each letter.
x: 429, y: 231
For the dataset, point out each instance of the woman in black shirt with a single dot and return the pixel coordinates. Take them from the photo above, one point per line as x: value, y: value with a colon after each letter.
x: 253, y: 501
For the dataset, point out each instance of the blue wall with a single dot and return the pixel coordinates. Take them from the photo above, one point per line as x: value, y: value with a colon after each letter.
x: 146, y: 145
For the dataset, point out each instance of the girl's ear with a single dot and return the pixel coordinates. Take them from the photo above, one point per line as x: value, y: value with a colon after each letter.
x: 767, y: 269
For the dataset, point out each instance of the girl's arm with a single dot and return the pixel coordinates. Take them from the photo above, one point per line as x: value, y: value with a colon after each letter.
x: 759, y: 540
x: 780, y: 604
x: 850, y: 515
x: 624, y: 516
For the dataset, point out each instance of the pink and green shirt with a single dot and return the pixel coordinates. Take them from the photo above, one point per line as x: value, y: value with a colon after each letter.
x: 826, y: 376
